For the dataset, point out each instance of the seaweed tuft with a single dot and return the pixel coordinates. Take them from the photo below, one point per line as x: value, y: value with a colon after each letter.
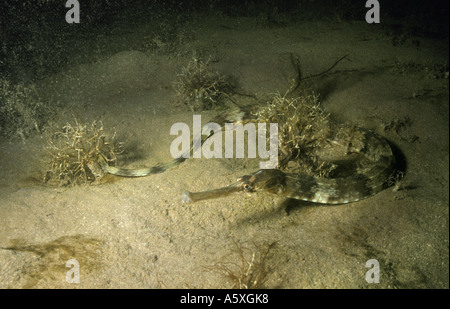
x: 303, y: 127
x: 22, y: 112
x: 199, y: 87
x: 246, y: 268
x: 74, y: 152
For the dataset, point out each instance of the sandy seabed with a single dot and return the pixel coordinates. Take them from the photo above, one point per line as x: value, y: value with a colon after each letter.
x: 136, y: 232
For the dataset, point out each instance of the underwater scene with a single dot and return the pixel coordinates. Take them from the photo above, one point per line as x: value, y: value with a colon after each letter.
x: 217, y: 144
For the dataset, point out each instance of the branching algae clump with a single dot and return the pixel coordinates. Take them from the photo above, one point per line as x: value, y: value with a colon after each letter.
x: 246, y: 268
x: 199, y: 87
x: 74, y: 153
x: 21, y: 110
x: 302, y: 129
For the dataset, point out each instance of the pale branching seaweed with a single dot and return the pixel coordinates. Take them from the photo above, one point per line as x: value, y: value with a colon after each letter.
x: 303, y: 128
x: 246, y: 268
x: 74, y: 153
x: 21, y: 110
x: 199, y: 87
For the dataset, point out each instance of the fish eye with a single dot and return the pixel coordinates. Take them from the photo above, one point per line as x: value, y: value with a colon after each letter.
x: 246, y: 187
